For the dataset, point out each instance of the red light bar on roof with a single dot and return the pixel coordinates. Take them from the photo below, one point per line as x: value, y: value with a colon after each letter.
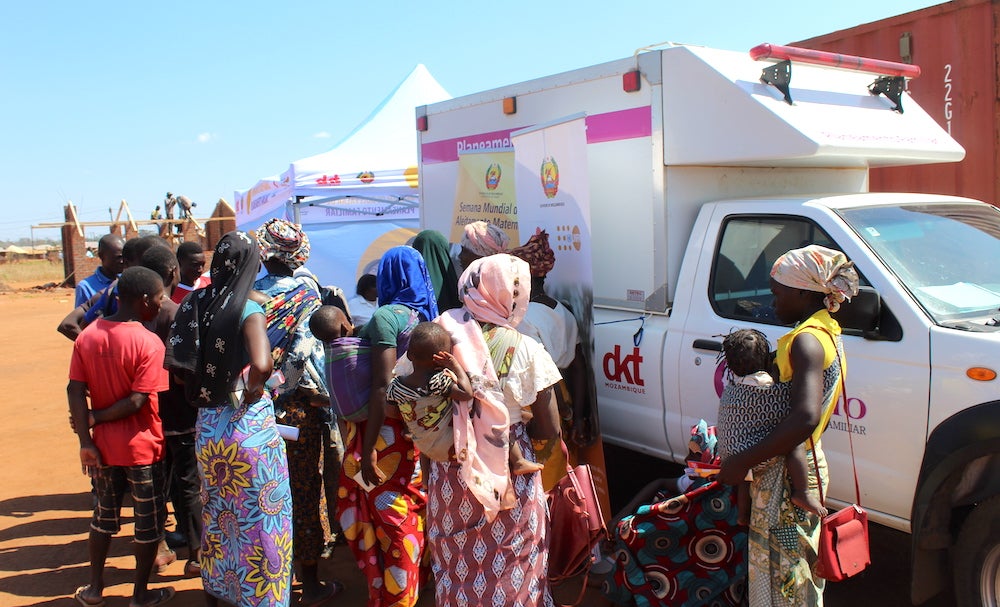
x: 850, y: 62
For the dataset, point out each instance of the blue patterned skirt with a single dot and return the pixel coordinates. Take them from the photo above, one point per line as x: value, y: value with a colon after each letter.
x: 246, y: 545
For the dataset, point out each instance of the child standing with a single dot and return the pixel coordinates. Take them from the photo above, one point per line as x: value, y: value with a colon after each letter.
x: 749, y: 358
x: 328, y: 323
x: 120, y: 364
x: 424, y: 396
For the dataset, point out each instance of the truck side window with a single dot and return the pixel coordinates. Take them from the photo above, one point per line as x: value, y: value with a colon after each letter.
x: 740, y: 282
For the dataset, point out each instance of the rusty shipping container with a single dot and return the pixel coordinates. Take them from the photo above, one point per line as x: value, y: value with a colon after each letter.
x: 955, y: 45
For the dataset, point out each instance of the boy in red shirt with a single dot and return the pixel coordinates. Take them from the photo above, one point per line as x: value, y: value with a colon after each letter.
x: 120, y: 363
x: 191, y: 264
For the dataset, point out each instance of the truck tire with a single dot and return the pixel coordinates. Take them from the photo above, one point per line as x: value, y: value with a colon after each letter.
x: 976, y: 557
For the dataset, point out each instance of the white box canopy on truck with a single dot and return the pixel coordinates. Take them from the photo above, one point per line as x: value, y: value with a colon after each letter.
x: 717, y: 112
x: 696, y: 125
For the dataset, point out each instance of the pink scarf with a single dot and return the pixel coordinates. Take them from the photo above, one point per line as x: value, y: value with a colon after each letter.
x: 495, y: 290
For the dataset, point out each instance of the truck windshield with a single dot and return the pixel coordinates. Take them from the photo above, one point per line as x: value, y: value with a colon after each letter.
x: 946, y: 255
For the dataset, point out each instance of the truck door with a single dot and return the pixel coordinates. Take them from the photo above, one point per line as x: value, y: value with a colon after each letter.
x: 887, y: 380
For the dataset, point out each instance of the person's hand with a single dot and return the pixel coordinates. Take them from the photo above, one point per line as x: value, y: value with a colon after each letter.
x: 253, y: 394
x: 319, y: 400
x: 370, y: 472
x: 446, y: 360
x: 91, y: 422
x: 733, y: 471
x: 90, y: 460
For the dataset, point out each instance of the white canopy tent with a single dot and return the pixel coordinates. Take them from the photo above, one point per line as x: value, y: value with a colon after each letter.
x: 357, y: 199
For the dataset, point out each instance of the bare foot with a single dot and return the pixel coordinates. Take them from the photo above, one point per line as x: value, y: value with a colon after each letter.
x: 808, y: 503
x: 520, y: 467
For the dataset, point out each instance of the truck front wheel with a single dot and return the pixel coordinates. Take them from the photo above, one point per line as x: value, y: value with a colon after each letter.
x: 976, y: 557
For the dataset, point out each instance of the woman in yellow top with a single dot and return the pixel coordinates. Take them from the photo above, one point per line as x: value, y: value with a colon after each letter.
x: 808, y: 284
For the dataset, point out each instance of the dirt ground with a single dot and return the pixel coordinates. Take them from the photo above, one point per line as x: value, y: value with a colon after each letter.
x: 44, y: 498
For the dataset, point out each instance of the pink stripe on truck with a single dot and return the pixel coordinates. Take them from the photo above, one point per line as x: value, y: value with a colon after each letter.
x: 612, y: 126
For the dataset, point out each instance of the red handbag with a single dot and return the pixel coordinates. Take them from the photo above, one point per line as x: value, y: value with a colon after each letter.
x: 576, y: 523
x: 843, y: 536
x: 843, y: 544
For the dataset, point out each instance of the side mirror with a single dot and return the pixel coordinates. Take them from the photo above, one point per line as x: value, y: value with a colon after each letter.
x: 867, y: 316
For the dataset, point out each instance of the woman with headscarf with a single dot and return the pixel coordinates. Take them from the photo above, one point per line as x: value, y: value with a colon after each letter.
x: 547, y: 320
x: 553, y: 325
x: 302, y: 401
x: 493, y: 524
x: 381, y: 498
x: 479, y: 239
x: 433, y: 247
x: 808, y: 284
x: 246, y: 555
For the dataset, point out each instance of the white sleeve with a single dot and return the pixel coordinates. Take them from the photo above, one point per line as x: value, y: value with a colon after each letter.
x: 531, y: 371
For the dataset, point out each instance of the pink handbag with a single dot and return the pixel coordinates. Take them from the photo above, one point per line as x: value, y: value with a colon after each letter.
x: 576, y: 523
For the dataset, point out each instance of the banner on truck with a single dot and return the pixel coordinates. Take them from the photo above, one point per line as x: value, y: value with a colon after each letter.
x: 485, y: 191
x: 553, y: 194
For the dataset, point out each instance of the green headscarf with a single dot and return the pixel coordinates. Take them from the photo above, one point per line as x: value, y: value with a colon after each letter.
x: 433, y: 246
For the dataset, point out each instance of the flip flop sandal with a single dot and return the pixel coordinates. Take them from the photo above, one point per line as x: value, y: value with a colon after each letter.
x: 162, y: 596
x: 78, y: 595
x: 333, y: 587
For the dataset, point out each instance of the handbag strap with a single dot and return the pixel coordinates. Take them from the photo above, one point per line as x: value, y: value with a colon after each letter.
x: 565, y: 452
x: 572, y: 477
x: 850, y: 431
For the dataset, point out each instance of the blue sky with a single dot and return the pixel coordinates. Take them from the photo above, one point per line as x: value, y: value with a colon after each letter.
x: 104, y: 101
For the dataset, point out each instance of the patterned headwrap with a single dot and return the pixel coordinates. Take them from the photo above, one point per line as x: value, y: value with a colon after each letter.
x: 283, y: 241
x: 483, y: 239
x: 537, y: 253
x: 816, y: 268
x: 403, y: 279
x: 206, y: 341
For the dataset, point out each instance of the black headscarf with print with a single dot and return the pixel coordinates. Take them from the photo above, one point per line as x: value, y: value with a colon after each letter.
x: 206, y: 342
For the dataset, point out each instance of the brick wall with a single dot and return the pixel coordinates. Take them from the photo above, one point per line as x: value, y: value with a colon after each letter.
x: 77, y: 266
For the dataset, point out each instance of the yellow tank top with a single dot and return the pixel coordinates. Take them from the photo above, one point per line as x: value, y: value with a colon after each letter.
x: 823, y: 326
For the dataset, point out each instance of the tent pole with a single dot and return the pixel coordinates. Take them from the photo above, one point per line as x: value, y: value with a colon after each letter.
x: 296, y: 214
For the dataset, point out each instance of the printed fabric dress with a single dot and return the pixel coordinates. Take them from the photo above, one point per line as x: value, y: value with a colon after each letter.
x: 783, y: 538
x: 503, y: 562
x: 300, y: 358
x: 384, y: 527
x: 246, y: 549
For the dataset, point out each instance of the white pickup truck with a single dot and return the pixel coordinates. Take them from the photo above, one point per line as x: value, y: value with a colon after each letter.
x: 735, y: 160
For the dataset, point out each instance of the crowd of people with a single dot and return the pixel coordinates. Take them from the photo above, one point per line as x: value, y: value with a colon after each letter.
x: 214, y: 393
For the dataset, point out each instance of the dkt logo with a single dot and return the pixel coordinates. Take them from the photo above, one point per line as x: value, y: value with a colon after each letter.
x: 623, y: 369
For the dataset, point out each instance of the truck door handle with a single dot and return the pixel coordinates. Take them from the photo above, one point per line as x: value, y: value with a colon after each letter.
x: 707, y: 344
